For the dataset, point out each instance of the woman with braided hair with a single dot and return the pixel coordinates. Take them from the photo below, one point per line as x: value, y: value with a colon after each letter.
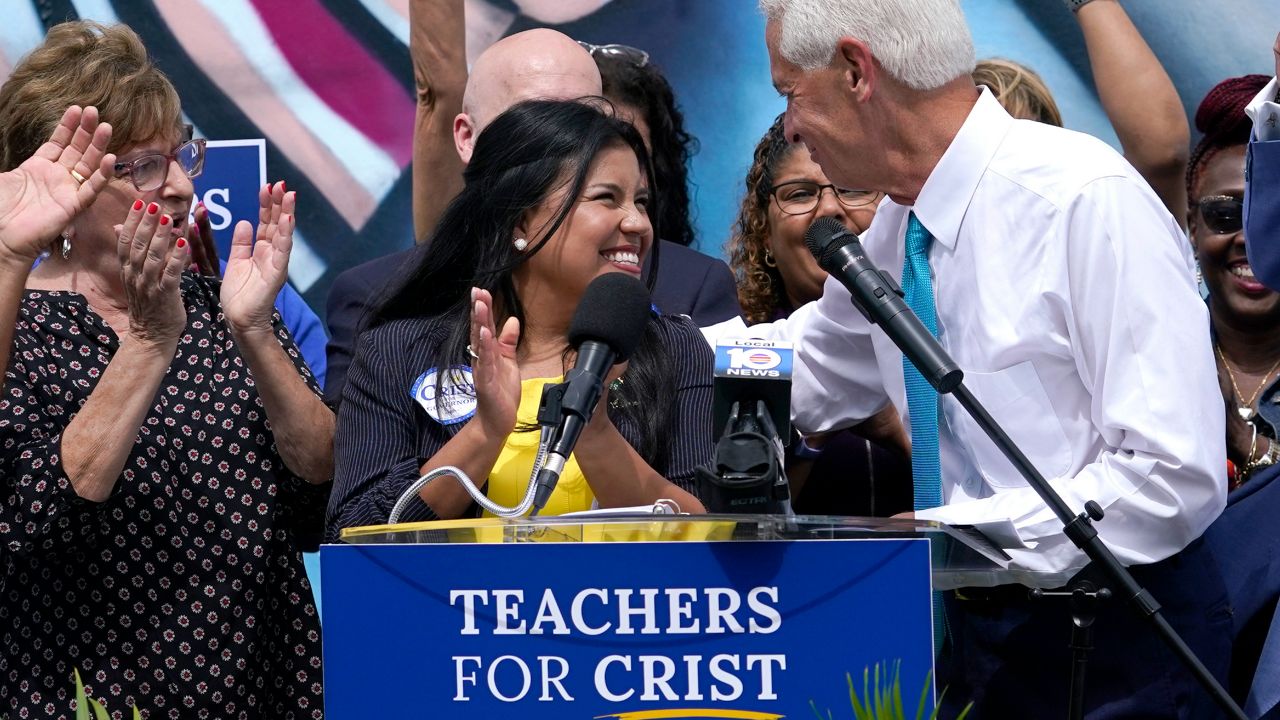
x: 1244, y: 313
x: 1245, y: 319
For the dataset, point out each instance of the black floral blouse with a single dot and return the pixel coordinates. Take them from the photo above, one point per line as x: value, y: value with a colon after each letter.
x: 184, y: 592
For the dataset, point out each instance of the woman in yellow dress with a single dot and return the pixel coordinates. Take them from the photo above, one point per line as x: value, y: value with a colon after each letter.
x: 450, y: 369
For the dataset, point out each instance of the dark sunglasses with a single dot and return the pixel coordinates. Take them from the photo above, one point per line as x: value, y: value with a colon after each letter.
x: 1223, y: 214
x: 635, y: 56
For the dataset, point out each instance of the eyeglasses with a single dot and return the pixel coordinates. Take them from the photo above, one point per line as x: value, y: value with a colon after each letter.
x: 635, y: 56
x: 149, y: 171
x: 1222, y: 214
x: 800, y: 197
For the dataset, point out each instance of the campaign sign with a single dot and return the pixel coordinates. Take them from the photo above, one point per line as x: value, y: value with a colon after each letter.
x: 627, y: 630
x: 234, y: 172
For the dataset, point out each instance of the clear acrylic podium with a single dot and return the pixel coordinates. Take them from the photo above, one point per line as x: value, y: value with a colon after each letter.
x: 960, y: 557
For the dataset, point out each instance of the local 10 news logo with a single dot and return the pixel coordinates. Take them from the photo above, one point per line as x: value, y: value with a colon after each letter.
x: 754, y: 359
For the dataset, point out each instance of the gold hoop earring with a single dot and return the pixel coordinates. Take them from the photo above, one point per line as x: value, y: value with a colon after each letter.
x: 768, y: 259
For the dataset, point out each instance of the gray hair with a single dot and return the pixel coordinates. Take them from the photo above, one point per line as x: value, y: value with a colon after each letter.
x: 922, y: 44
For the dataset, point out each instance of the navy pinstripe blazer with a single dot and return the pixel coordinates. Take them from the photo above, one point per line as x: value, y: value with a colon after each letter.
x: 384, y: 436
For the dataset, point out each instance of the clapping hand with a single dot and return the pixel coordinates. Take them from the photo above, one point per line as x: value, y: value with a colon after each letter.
x: 494, y: 368
x: 259, y: 263
x: 204, y: 250
x: 41, y: 196
x: 152, y: 258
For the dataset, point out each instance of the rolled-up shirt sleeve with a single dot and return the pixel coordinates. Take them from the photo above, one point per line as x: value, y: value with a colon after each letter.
x: 1139, y: 334
x: 836, y: 381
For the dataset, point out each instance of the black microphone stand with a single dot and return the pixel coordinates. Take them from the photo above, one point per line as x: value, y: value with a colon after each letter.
x: 945, y: 376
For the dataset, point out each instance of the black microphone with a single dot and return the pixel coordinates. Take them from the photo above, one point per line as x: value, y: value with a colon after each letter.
x: 875, y: 293
x: 606, y: 328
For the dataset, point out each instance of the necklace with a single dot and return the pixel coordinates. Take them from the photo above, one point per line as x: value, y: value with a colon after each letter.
x: 1246, y: 408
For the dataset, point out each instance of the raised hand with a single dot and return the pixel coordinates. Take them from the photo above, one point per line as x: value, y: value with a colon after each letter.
x: 494, y: 368
x: 40, y: 197
x: 259, y: 264
x: 204, y: 250
x: 152, y: 258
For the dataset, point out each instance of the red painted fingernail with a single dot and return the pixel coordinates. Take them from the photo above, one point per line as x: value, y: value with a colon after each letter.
x: 152, y: 209
x: 137, y: 204
x: 182, y: 243
x: 164, y: 219
x: 284, y: 187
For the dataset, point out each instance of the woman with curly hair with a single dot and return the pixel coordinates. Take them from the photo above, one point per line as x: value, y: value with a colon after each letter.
x: 862, y: 471
x: 786, y: 192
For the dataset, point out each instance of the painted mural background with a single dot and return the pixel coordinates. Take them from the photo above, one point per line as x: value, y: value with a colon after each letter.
x: 329, y: 85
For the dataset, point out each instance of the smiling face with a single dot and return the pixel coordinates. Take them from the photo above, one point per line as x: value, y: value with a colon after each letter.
x: 820, y: 112
x: 801, y: 275
x: 1235, y: 291
x: 607, y: 230
x: 95, y: 227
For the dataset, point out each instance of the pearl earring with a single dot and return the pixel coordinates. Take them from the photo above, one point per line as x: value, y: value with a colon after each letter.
x: 520, y: 244
x: 66, y: 245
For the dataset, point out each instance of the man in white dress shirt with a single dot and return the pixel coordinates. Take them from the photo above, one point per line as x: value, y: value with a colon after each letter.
x: 1066, y: 292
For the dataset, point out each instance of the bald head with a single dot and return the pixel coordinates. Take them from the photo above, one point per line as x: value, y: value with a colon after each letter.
x: 533, y: 65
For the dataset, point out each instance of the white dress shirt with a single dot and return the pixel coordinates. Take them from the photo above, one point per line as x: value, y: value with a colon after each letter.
x: 1065, y: 292
x: 1265, y: 113
x: 781, y: 330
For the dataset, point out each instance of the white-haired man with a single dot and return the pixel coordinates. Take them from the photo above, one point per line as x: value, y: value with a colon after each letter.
x: 1058, y: 281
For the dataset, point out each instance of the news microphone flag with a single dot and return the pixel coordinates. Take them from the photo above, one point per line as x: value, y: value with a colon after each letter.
x: 750, y: 370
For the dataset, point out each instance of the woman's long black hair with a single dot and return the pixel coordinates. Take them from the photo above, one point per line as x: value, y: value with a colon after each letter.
x: 520, y: 159
x: 646, y: 89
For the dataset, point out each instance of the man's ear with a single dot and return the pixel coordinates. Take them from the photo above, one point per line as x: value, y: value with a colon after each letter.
x: 859, y: 70
x: 464, y: 136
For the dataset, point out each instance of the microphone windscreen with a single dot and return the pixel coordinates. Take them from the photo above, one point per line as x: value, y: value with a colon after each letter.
x: 614, y: 310
x: 824, y: 236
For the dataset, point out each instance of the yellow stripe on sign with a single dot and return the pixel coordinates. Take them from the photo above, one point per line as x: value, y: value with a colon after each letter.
x: 692, y: 713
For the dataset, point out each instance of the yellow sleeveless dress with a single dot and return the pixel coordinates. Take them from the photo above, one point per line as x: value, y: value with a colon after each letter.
x: 510, y: 476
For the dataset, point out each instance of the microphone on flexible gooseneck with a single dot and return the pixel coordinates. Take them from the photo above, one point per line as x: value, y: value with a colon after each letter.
x: 879, y: 298
x: 606, y: 328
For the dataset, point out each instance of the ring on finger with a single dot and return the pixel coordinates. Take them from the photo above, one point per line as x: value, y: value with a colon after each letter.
x: 77, y: 176
x: 474, y: 355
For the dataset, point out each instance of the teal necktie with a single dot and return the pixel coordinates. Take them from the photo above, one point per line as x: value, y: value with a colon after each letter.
x: 922, y: 399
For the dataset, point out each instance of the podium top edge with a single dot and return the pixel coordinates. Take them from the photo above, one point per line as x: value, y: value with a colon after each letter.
x: 848, y: 522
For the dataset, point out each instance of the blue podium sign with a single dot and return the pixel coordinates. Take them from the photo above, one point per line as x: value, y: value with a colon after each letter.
x: 619, y: 630
x: 234, y: 172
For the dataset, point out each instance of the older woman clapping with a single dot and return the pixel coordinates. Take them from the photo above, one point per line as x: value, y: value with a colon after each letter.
x: 164, y: 453
x: 41, y: 196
